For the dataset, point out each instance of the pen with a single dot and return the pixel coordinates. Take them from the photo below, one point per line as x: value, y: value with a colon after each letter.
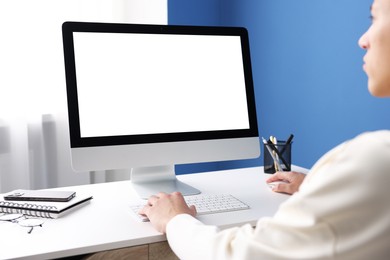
x: 289, y: 139
x: 275, y: 142
x: 271, y: 152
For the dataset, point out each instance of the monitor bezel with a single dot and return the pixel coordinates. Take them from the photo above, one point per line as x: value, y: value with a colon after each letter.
x: 76, y: 141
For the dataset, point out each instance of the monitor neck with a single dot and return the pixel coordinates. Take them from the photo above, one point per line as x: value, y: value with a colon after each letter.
x: 148, y: 181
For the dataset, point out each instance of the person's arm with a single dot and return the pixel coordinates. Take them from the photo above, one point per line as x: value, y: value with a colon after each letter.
x: 340, y: 211
x: 191, y: 239
x: 187, y: 236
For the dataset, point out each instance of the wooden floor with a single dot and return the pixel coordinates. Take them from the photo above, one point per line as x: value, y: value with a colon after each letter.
x: 154, y: 251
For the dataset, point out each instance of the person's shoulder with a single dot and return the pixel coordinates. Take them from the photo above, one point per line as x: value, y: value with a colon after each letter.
x: 359, y: 163
x: 381, y: 134
x: 374, y: 139
x: 372, y: 148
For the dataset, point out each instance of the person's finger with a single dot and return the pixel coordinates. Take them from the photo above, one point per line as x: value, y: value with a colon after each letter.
x: 282, y: 188
x: 177, y: 193
x: 152, y: 199
x: 193, y: 210
x: 277, y: 176
x: 161, y: 194
x: 272, y: 178
x: 144, y: 210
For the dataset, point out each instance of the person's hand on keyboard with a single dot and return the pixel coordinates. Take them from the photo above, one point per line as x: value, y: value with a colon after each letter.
x: 161, y: 208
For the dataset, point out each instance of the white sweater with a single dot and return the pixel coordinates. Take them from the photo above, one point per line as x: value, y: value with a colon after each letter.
x: 342, y: 211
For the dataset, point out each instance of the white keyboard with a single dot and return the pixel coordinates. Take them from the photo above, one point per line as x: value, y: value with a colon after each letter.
x: 205, y: 204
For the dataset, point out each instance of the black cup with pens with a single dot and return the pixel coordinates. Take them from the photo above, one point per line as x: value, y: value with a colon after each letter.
x: 277, y: 154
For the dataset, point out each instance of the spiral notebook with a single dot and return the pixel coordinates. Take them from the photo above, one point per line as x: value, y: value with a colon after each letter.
x: 43, y: 209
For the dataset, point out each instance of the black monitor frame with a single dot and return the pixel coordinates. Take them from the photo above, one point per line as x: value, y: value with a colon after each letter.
x: 76, y: 140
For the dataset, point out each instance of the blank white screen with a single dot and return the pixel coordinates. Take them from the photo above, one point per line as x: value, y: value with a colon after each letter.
x: 131, y: 84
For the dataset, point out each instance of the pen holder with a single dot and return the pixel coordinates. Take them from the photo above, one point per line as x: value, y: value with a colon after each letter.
x: 283, y: 155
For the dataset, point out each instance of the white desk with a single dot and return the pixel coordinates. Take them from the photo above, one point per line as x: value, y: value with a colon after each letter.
x: 106, y: 222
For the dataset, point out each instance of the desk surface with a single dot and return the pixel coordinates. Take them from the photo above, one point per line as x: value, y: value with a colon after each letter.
x: 106, y: 222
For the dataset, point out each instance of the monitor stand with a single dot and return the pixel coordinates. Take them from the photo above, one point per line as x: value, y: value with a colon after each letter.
x: 149, y: 181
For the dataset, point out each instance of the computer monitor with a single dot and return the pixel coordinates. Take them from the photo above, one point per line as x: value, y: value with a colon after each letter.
x: 148, y: 97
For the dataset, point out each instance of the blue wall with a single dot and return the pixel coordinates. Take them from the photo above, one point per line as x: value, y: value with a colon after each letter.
x: 307, y: 70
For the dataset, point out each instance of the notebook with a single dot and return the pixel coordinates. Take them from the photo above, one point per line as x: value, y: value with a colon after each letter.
x: 43, y: 209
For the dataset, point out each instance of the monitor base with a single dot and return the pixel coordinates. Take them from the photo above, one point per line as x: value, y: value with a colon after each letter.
x: 148, y: 181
